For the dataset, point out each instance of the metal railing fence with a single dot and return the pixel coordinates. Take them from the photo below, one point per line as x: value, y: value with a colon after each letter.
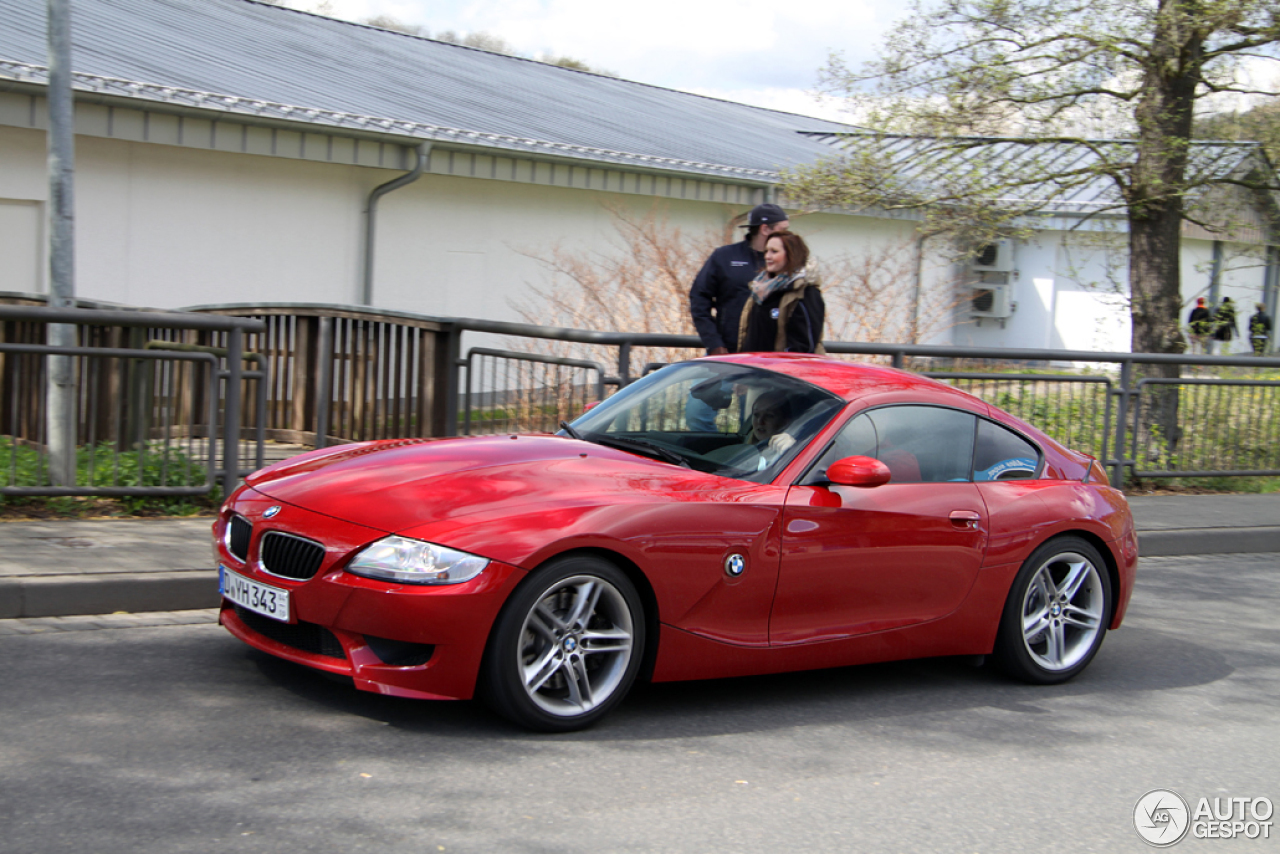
x: 155, y: 445
x: 1236, y: 429
x: 1159, y: 436
x: 1137, y: 428
x: 151, y: 417
x: 507, y: 392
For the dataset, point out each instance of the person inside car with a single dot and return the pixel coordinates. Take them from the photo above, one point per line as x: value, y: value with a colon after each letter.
x: 766, y: 439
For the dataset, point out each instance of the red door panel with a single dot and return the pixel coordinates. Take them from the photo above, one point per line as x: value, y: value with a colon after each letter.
x: 856, y: 561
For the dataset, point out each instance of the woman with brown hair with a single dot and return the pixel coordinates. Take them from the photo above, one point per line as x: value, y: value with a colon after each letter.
x: 785, y: 312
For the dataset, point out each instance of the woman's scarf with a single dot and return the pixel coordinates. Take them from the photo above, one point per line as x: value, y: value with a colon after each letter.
x: 763, y: 287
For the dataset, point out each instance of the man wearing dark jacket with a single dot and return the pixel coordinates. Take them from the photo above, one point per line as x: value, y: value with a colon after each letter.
x: 723, y: 285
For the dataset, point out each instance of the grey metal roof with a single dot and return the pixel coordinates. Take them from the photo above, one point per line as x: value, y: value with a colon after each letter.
x: 1011, y: 164
x: 254, y: 59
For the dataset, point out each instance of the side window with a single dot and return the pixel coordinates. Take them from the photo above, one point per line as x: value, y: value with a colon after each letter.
x: 924, y: 444
x: 1002, y: 454
x: 919, y: 444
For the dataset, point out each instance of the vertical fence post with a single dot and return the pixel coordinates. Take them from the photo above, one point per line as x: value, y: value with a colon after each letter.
x: 449, y: 383
x: 324, y: 380
x: 624, y: 364
x: 1122, y: 418
x: 231, y: 413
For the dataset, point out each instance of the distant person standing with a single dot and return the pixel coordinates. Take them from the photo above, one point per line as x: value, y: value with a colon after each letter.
x: 786, y: 312
x: 1224, y: 324
x: 722, y: 287
x: 1200, y: 323
x: 1259, y: 329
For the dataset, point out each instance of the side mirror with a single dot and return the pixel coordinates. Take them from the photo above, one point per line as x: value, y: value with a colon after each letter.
x: 858, y: 471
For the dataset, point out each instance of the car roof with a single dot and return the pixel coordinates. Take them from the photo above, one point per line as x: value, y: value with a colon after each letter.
x: 849, y: 380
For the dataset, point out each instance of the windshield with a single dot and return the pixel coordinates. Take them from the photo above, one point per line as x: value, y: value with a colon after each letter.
x: 720, y: 418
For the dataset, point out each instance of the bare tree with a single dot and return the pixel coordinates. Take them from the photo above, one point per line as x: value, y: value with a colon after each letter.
x: 999, y: 107
x: 879, y: 296
x: 641, y: 284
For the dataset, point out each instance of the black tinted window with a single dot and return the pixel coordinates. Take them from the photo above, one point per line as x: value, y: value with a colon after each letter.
x: 919, y: 444
x: 1002, y: 454
x: 926, y: 444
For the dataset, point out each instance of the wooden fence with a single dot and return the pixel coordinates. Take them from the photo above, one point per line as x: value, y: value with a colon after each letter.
x: 361, y: 374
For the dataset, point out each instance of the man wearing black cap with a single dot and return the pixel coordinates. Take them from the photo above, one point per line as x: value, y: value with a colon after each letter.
x: 723, y: 285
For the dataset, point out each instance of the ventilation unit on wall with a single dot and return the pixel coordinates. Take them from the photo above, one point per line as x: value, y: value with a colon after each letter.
x: 994, y: 257
x: 988, y: 300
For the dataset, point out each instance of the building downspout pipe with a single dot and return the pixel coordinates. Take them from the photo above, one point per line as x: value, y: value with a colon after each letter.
x: 423, y: 150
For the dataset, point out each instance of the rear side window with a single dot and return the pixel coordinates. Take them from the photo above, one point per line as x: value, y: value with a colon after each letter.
x: 1002, y: 454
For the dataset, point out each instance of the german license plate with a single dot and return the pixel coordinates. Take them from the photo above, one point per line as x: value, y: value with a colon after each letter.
x: 268, y: 601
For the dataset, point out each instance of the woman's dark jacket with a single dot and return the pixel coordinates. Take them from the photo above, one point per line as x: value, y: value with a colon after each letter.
x: 787, y: 321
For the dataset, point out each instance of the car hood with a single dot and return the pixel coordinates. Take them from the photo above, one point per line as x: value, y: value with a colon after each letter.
x: 396, y: 486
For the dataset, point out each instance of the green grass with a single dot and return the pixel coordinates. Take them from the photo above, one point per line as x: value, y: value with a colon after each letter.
x: 102, y: 466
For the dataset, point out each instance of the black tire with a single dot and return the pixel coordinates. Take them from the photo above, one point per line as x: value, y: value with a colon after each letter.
x: 566, y: 647
x: 1057, y: 613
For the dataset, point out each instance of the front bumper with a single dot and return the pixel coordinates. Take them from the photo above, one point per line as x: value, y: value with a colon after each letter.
x: 425, y: 642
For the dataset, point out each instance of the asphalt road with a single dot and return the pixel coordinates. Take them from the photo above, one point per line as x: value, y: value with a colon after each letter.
x: 179, y: 739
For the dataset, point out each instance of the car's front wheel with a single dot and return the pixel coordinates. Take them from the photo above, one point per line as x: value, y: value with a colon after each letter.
x: 1057, y: 613
x: 566, y: 647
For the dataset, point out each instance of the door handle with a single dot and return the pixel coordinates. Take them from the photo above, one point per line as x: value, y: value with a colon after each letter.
x: 965, y: 518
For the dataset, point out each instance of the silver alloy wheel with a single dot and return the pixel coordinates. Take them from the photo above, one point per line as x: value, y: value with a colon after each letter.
x: 1062, y: 611
x: 575, y: 645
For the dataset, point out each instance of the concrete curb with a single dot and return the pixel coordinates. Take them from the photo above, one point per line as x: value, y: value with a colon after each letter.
x: 105, y: 593
x: 1209, y: 541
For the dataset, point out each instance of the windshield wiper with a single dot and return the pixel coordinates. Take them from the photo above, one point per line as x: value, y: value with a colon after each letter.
x: 573, y: 434
x: 639, y: 446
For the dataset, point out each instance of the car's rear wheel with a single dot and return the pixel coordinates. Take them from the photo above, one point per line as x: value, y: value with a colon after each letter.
x: 1057, y: 613
x: 566, y: 647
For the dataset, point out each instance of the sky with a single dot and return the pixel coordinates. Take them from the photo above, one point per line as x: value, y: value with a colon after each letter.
x: 761, y: 52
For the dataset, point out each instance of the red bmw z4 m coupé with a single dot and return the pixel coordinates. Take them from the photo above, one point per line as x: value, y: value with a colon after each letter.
x: 727, y: 516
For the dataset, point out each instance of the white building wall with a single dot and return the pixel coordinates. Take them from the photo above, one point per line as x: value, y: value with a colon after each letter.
x: 1033, y: 295
x: 166, y: 226
x: 24, y: 191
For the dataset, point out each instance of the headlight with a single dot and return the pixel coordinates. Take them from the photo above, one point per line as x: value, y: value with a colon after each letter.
x: 415, y: 562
